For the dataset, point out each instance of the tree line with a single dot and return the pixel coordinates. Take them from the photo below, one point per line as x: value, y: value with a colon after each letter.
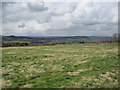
x: 113, y: 39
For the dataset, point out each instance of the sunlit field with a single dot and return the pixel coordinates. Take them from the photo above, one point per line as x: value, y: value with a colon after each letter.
x: 61, y: 66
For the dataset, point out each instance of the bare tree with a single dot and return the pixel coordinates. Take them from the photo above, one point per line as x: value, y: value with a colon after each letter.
x: 116, y: 37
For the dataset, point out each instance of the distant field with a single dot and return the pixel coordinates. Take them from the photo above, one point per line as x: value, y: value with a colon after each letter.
x: 61, y: 66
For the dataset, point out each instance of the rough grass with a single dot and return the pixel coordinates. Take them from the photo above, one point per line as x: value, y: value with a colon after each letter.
x: 60, y: 66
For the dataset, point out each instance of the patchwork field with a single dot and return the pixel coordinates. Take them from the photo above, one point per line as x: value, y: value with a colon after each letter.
x: 60, y: 66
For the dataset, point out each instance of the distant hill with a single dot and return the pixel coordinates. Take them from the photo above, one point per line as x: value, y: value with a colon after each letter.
x: 49, y: 40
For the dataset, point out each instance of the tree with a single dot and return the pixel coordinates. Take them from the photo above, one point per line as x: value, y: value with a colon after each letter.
x: 116, y: 37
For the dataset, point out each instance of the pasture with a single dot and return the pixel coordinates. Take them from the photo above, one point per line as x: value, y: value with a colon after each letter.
x: 60, y: 66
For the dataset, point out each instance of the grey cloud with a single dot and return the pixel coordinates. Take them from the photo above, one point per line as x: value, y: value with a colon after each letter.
x: 15, y: 12
x: 93, y: 30
x: 43, y: 17
x: 21, y: 25
x: 37, y: 6
x: 20, y: 12
x: 62, y: 8
x: 6, y: 4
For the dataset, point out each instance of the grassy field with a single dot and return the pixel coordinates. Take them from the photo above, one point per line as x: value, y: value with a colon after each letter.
x: 60, y: 66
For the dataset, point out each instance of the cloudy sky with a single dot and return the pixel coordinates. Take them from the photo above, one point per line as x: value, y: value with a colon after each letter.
x: 59, y: 18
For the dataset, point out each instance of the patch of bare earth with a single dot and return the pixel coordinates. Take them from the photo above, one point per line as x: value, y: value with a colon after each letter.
x: 62, y: 87
x: 98, y: 81
x: 64, y: 50
x: 49, y: 49
x: 78, y: 71
x: 49, y: 54
x: 0, y: 83
x: 4, y: 70
x: 45, y: 59
x: 82, y: 82
x: 80, y: 62
x: 10, y: 53
x: 4, y: 83
x: 54, y: 67
x: 27, y: 85
x: 107, y: 50
x: 15, y: 63
x: 29, y: 75
x: 64, y: 57
x: 36, y: 70
x: 68, y: 50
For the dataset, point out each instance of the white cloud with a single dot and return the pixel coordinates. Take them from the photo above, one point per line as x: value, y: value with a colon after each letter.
x: 55, y: 18
x: 62, y: 8
x: 61, y: 22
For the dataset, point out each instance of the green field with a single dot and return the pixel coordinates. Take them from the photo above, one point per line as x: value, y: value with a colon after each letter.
x: 60, y: 66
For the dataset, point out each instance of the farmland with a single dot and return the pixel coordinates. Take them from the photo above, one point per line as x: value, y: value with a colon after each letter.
x: 60, y: 66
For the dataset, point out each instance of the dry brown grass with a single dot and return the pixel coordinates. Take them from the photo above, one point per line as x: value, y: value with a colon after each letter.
x: 78, y: 71
x: 32, y: 69
x: 80, y: 62
x: 15, y: 63
x: 27, y: 85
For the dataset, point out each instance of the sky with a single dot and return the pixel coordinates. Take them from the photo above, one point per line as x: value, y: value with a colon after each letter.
x: 59, y: 18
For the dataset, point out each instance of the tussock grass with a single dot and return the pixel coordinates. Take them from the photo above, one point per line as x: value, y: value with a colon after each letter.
x: 60, y: 66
